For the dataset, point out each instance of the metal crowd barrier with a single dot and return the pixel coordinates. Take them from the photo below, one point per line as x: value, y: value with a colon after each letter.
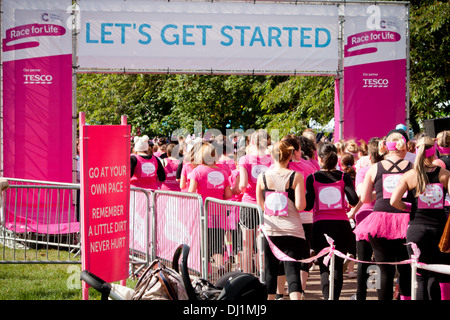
x: 37, y: 216
x: 140, y: 229
x: 232, y: 238
x: 178, y: 218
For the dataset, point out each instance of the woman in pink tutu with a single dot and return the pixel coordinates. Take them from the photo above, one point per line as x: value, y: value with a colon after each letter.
x: 385, y: 228
x: 429, y: 183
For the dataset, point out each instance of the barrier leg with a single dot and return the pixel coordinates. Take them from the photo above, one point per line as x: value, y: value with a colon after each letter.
x: 445, y: 291
x: 413, y: 280
x: 331, y: 278
x: 84, y: 291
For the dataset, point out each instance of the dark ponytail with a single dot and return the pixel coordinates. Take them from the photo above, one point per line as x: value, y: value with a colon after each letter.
x: 327, y: 151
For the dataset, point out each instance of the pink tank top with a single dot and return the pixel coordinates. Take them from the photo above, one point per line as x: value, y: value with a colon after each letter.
x: 330, y: 201
x: 171, y: 182
x: 145, y: 173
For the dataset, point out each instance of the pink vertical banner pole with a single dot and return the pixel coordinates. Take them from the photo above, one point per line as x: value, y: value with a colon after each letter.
x: 82, y: 122
x: 337, y: 111
x: 123, y: 122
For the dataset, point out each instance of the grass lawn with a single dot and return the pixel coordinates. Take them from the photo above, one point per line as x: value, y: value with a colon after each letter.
x: 42, y: 281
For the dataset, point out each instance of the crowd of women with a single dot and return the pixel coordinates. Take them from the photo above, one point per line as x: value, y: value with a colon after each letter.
x: 373, y: 199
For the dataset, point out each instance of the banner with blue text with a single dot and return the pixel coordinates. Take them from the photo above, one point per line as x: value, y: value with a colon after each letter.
x: 205, y: 36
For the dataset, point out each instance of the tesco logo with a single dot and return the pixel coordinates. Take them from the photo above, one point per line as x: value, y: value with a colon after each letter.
x: 38, y: 79
x: 375, y: 83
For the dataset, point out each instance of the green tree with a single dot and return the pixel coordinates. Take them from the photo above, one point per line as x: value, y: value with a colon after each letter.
x: 106, y: 97
x: 429, y: 75
x: 289, y: 102
x: 215, y: 101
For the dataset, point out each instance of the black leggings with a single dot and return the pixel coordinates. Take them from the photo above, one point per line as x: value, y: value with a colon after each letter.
x: 341, y: 232
x: 292, y: 247
x: 427, y: 239
x: 386, y: 250
x: 364, y: 251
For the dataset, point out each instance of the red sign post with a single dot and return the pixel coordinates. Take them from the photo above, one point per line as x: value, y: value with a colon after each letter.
x: 105, y: 198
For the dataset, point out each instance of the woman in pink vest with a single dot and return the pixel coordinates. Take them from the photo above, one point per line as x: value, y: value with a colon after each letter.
x: 209, y: 180
x: 146, y: 170
x: 170, y: 168
x: 325, y: 194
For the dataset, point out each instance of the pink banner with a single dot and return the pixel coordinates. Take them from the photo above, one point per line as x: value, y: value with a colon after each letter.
x: 374, y: 95
x: 374, y: 99
x: 40, y: 210
x: 37, y: 90
x: 37, y: 109
x: 105, y: 196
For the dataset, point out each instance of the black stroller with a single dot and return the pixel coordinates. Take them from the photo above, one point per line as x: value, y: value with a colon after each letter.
x: 235, y: 286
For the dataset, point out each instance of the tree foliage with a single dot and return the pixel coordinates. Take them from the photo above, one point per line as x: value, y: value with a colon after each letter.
x: 429, y: 75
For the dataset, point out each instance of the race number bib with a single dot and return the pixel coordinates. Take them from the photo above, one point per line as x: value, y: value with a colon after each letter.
x: 257, y: 170
x: 276, y: 203
x: 390, y: 182
x: 432, y: 197
x: 329, y: 198
x: 148, y: 169
x: 215, y: 179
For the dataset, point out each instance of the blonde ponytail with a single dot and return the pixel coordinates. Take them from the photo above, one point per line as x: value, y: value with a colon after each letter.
x: 423, y: 144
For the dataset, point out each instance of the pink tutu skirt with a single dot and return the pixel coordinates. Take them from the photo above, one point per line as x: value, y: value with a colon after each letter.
x: 383, y: 225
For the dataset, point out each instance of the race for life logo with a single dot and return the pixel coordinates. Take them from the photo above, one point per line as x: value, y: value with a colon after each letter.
x: 27, y: 36
x: 380, y: 30
x: 51, y: 17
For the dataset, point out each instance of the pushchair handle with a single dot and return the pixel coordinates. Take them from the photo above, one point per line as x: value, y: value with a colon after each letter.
x: 97, y: 283
x: 183, y: 251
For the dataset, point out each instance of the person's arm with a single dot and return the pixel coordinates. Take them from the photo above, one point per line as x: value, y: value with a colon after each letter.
x: 259, y: 192
x: 351, y: 214
x: 349, y: 190
x: 299, y: 187
x: 227, y: 193
x: 243, y: 180
x: 133, y: 162
x: 236, y: 190
x: 192, y: 186
x: 310, y: 194
x: 161, y: 173
x: 4, y: 184
x: 396, y: 197
x: 179, y: 169
x: 367, y: 195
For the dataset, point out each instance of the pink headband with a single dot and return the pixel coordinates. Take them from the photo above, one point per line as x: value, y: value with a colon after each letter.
x: 443, y: 150
x: 393, y: 145
x: 429, y: 152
